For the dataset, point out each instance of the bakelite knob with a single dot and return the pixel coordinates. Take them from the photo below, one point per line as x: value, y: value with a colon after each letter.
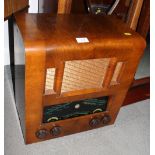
x: 94, y: 122
x: 42, y: 133
x: 55, y: 131
x: 106, y: 119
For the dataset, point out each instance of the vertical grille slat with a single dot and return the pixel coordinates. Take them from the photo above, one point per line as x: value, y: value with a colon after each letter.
x: 49, y: 83
x: 116, y: 74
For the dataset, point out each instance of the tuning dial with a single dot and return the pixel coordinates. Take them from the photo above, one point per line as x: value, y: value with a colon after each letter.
x: 94, y: 122
x: 42, y: 133
x: 55, y: 131
x: 106, y: 119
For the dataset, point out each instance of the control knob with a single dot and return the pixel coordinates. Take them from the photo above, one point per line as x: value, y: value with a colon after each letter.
x: 42, y: 133
x: 94, y: 122
x: 55, y: 131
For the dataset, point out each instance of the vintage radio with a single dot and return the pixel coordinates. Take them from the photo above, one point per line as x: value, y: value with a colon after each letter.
x: 77, y: 71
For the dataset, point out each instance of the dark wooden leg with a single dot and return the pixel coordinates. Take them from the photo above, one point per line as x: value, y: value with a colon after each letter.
x: 11, y: 49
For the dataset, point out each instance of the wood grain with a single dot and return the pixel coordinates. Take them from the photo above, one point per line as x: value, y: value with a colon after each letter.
x: 64, y: 6
x: 7, y: 8
x: 59, y: 78
x: 50, y: 40
x: 19, y: 5
x: 144, y: 19
x: 12, y: 6
x: 134, y: 13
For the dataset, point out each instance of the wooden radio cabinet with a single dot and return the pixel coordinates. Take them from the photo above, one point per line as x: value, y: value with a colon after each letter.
x: 77, y: 71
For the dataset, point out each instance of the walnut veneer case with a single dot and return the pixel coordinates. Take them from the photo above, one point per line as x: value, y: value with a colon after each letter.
x: 77, y: 71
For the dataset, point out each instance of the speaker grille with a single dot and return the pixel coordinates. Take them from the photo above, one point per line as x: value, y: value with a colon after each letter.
x: 84, y: 74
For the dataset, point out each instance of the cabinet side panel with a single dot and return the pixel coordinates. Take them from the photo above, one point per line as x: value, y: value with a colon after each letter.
x: 19, y: 72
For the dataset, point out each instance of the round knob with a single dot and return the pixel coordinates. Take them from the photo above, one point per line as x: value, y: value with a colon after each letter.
x: 106, y: 119
x: 94, y: 122
x: 42, y: 133
x: 55, y: 131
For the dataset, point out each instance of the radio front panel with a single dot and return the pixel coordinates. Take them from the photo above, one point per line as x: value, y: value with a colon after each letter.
x: 83, y: 75
x: 69, y: 110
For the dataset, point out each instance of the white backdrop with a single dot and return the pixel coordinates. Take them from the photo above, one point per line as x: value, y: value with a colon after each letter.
x: 33, y: 9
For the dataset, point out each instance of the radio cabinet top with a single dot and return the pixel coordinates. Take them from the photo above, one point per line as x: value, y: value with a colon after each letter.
x: 74, y: 33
